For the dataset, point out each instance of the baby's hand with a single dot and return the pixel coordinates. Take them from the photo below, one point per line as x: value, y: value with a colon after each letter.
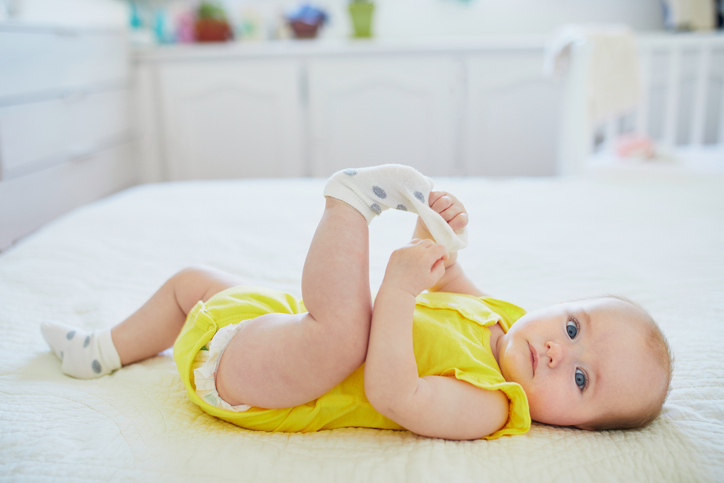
x: 450, y: 208
x: 416, y: 266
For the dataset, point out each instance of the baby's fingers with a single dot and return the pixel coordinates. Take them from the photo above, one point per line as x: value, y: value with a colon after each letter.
x: 450, y: 208
x: 440, y: 254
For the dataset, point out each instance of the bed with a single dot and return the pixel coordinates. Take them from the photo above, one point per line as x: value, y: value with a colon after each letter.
x: 655, y: 236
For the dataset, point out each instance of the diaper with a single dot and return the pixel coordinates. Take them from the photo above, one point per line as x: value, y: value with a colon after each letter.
x: 206, y: 364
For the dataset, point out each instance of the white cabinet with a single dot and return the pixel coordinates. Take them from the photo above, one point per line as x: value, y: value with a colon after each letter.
x: 512, y: 116
x: 37, y: 135
x: 289, y: 109
x: 27, y: 202
x: 230, y: 119
x: 34, y: 61
x: 65, y: 128
x: 394, y: 109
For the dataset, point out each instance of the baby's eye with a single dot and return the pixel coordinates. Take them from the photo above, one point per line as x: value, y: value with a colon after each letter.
x: 572, y: 328
x: 580, y: 379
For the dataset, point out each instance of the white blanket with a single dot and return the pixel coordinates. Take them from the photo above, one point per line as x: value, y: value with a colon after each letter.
x: 658, y: 239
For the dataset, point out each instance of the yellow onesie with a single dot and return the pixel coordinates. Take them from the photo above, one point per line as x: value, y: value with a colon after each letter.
x: 450, y: 337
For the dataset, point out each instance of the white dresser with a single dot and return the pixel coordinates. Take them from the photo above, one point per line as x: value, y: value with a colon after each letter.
x: 480, y: 107
x: 65, y: 131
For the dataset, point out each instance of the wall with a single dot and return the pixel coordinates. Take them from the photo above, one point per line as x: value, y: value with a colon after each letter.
x: 407, y: 19
x: 454, y: 18
x: 458, y: 18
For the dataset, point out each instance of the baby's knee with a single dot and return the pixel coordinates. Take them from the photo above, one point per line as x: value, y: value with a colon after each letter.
x: 199, y: 283
x: 194, y: 273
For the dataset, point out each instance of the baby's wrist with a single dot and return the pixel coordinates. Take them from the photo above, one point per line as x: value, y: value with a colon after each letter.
x: 397, y: 289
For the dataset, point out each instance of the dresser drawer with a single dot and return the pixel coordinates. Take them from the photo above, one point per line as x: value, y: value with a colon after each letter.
x: 42, y: 134
x: 28, y: 202
x: 33, y: 62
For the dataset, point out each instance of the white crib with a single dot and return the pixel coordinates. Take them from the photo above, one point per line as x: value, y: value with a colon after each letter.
x: 681, y: 109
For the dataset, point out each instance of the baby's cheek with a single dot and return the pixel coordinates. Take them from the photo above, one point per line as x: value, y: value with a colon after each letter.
x: 541, y: 408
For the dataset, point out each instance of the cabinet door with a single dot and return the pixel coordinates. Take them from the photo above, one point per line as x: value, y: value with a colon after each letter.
x: 28, y: 202
x: 396, y: 109
x: 41, y: 134
x: 50, y: 62
x: 229, y: 119
x: 512, y: 116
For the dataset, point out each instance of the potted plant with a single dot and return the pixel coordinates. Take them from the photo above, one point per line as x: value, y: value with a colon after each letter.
x: 211, y: 23
x: 306, y: 21
x: 361, y: 13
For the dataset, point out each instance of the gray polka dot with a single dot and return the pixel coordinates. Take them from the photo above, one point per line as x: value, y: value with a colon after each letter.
x: 70, y: 335
x: 379, y: 192
x: 86, y: 341
x: 350, y: 172
x: 402, y: 207
x: 420, y: 196
x: 376, y: 208
x: 61, y: 355
x: 96, y: 366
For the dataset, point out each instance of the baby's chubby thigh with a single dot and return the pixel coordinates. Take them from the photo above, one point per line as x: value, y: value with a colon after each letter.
x: 284, y: 360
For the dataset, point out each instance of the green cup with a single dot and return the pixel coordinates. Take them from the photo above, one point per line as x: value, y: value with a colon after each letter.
x: 361, y: 13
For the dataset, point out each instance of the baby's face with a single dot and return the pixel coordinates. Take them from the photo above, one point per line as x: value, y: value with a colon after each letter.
x: 579, y: 361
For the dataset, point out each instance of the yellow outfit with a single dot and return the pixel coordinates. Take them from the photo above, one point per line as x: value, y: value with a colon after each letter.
x: 450, y: 338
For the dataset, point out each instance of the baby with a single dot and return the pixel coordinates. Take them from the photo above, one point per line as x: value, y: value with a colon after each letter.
x: 434, y: 355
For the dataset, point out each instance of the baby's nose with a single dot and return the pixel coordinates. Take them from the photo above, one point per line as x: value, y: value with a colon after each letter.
x: 555, y: 352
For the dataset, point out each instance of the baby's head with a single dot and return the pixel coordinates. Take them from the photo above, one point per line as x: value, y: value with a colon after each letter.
x: 595, y: 364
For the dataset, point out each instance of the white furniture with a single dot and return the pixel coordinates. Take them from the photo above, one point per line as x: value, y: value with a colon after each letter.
x: 312, y: 108
x: 399, y: 108
x: 681, y: 109
x: 227, y: 119
x: 65, y: 133
x: 475, y: 108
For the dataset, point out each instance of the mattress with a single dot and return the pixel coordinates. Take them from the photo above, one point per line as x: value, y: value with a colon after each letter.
x: 657, y: 238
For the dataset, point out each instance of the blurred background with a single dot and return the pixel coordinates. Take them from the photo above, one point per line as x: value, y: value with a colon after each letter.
x: 260, y: 19
x: 99, y: 95
x: 405, y: 19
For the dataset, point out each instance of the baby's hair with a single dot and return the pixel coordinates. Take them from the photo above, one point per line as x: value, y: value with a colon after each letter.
x: 661, y: 351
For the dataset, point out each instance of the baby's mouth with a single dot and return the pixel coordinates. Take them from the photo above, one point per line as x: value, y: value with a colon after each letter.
x: 533, y: 358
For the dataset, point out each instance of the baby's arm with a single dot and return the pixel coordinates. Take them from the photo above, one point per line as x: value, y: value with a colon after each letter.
x: 452, y: 210
x: 435, y: 406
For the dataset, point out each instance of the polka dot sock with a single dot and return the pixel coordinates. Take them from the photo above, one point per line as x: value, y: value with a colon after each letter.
x: 84, y: 355
x: 375, y: 189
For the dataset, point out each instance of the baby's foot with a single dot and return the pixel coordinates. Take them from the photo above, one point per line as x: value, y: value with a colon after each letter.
x: 375, y: 189
x: 85, y: 355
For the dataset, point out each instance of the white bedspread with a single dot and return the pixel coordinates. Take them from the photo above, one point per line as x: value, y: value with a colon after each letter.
x: 658, y: 239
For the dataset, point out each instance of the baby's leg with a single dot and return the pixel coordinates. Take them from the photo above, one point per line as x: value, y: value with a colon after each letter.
x: 150, y: 330
x: 281, y: 360
x: 156, y: 325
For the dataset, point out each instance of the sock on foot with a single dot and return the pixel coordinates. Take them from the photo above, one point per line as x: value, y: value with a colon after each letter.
x: 84, y: 355
x: 375, y: 189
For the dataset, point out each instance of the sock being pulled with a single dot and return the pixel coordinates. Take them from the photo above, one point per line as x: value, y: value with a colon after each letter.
x: 84, y: 355
x: 375, y: 189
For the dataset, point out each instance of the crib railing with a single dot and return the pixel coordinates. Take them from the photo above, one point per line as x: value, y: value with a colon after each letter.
x: 681, y: 109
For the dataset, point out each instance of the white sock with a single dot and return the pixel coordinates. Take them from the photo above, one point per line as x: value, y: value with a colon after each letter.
x: 85, y: 355
x: 375, y: 189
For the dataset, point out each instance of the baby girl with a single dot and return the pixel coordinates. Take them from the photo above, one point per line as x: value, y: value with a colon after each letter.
x: 433, y: 354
